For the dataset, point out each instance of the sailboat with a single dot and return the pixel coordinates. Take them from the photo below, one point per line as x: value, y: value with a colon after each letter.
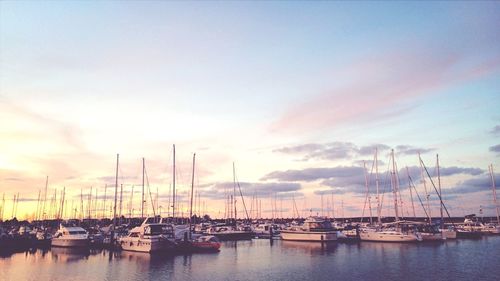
x: 233, y: 231
x: 392, y: 232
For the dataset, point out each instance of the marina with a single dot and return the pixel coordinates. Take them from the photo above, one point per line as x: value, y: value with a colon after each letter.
x: 261, y: 259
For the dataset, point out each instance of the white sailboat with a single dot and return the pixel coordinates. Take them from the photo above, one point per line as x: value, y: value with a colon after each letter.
x: 393, y: 232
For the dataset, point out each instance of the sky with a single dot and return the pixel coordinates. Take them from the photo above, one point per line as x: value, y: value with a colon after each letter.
x: 296, y: 94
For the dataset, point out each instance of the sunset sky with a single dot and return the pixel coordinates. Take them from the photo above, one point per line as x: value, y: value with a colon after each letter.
x: 297, y: 94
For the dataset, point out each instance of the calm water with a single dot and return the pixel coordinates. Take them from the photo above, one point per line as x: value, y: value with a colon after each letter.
x: 260, y: 260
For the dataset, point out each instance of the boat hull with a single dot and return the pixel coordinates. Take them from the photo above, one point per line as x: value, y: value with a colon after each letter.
x: 310, y: 236
x: 143, y: 246
x: 70, y: 243
x: 387, y: 237
x: 432, y: 236
x: 233, y: 236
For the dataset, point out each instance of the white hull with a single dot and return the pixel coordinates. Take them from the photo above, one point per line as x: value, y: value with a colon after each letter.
x: 308, y: 236
x: 64, y: 242
x: 432, y: 236
x: 140, y: 245
x: 387, y: 237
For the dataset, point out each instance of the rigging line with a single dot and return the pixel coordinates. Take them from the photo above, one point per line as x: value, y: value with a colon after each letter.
x: 418, y: 196
x: 242, y: 199
x: 149, y: 191
x: 435, y: 189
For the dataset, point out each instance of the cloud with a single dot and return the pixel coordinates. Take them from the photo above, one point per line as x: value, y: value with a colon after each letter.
x: 345, y: 150
x: 313, y: 174
x: 279, y: 189
x: 351, y: 179
x: 495, y: 148
x: 411, y: 150
x: 381, y: 85
x: 495, y: 130
x: 473, y: 185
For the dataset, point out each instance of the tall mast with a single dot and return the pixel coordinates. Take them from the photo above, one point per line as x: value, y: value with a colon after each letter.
x: 192, y: 192
x: 116, y: 193
x: 81, y: 204
x: 234, y: 194
x: 493, y: 186
x: 45, y: 196
x: 379, y: 208
x: 104, y: 203
x: 411, y: 192
x: 62, y: 203
x: 427, y: 195
x: 90, y: 203
x: 173, y: 184
x: 394, y: 191
x: 368, y: 192
x: 131, y: 206
x: 142, y: 201
x: 440, y: 194
x: 37, y: 205
x: 121, y: 197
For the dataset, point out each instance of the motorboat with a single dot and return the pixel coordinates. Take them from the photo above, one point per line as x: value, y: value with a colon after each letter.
x: 206, y: 243
x: 70, y: 236
x: 315, y: 229
x: 148, y: 238
x: 231, y: 233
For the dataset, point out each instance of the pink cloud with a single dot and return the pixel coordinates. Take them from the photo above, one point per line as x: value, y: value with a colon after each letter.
x: 382, y: 86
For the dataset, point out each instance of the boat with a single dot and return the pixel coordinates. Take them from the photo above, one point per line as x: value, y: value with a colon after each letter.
x: 266, y: 230
x: 206, y: 243
x: 389, y: 235
x: 231, y: 233
x: 315, y: 229
x: 148, y: 238
x: 70, y: 236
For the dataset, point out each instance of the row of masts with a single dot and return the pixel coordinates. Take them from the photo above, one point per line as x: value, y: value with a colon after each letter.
x: 54, y: 208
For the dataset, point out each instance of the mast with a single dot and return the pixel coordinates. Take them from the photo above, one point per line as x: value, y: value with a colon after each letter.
x: 104, y: 203
x: 493, y: 187
x: 45, y: 197
x: 393, y: 181
x: 173, y: 184
x: 114, y: 206
x: 379, y: 208
x: 192, y: 192
x: 234, y: 194
x: 90, y: 203
x: 368, y: 192
x: 81, y: 204
x: 142, y: 201
x: 61, y: 215
x: 411, y: 192
x: 121, y: 197
x: 440, y: 194
x: 37, y: 205
x: 427, y: 195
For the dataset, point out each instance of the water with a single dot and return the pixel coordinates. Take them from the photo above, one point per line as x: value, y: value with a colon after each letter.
x: 260, y: 260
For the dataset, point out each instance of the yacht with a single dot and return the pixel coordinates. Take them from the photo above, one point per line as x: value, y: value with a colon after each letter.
x: 231, y: 233
x: 313, y: 229
x: 148, y: 238
x: 266, y: 230
x: 70, y: 236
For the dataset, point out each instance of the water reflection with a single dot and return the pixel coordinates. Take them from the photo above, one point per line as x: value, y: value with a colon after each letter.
x: 313, y: 248
x: 69, y: 254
